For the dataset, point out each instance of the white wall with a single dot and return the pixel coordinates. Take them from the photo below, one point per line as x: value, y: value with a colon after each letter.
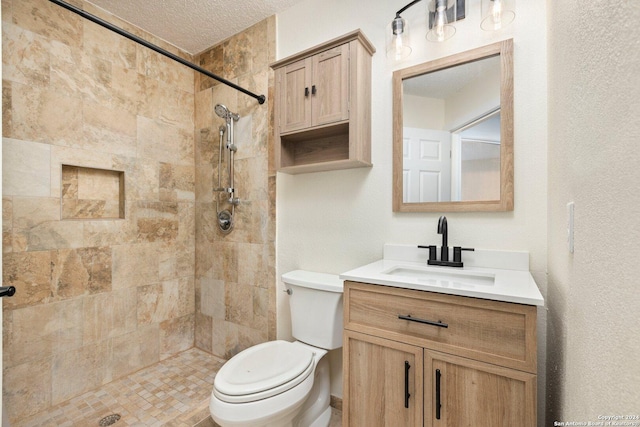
x: 594, y: 161
x: 335, y: 221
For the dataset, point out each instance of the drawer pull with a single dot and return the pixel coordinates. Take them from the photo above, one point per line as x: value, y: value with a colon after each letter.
x: 426, y: 322
x: 438, y: 404
x: 406, y: 384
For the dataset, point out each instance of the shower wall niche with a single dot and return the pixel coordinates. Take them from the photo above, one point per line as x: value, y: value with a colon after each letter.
x: 90, y: 193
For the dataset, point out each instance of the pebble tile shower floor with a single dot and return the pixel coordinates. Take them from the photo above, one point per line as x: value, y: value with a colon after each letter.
x: 171, y: 393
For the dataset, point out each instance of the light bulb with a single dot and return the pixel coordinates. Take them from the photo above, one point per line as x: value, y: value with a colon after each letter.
x: 441, y: 30
x: 441, y: 21
x: 496, y: 11
x: 495, y: 15
x: 398, y: 42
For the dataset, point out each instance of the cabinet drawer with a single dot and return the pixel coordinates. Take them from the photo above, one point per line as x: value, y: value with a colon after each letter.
x: 495, y: 332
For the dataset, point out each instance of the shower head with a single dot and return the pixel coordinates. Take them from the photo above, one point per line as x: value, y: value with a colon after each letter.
x: 224, y: 113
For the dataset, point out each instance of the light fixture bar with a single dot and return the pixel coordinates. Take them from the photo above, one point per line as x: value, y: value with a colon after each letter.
x: 406, y: 7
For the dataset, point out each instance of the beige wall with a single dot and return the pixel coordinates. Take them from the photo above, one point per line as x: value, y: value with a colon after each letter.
x: 594, y: 161
x: 235, y: 281
x: 96, y: 299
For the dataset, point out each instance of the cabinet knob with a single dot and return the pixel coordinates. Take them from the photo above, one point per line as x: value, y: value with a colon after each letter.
x: 313, y: 90
x: 306, y: 92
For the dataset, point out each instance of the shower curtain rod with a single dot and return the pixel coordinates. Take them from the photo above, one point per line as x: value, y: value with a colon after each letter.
x: 109, y: 26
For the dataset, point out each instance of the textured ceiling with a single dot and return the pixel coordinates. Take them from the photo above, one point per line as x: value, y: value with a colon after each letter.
x: 193, y: 25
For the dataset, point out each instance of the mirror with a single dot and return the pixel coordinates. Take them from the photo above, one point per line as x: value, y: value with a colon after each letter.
x: 453, y: 133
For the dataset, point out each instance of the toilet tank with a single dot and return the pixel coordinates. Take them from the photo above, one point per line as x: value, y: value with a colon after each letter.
x: 315, y: 300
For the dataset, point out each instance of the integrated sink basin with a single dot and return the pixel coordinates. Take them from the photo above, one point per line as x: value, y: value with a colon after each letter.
x: 488, y: 274
x: 441, y: 277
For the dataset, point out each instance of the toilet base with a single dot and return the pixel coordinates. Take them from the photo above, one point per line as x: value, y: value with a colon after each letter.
x: 322, y: 421
x: 315, y: 411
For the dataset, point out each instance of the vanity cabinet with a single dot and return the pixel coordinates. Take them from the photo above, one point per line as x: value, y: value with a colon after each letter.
x: 470, y: 361
x: 323, y: 106
x: 385, y: 381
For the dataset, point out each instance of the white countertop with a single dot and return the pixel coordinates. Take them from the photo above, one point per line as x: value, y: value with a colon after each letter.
x: 498, y: 284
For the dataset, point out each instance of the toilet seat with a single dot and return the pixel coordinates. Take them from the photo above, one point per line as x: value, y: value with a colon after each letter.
x: 263, y: 371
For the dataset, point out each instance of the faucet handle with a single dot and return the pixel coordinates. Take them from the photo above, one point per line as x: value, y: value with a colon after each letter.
x: 432, y: 251
x: 457, y: 253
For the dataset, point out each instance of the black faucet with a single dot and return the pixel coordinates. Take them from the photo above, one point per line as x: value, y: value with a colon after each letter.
x: 444, y: 251
x: 442, y: 229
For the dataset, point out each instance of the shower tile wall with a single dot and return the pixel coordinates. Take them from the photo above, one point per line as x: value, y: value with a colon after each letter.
x: 235, y: 273
x: 96, y: 299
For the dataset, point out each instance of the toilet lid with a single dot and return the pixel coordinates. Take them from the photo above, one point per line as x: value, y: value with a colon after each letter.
x: 261, y: 368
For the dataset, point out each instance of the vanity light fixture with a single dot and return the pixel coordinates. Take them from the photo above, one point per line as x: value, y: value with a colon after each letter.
x: 398, y: 41
x: 439, y: 27
x: 497, y: 14
x: 440, y: 14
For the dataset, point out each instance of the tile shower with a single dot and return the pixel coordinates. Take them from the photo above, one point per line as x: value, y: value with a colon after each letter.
x: 113, y: 284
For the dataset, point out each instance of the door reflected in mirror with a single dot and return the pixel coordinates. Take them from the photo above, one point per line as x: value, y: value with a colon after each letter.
x: 453, y: 148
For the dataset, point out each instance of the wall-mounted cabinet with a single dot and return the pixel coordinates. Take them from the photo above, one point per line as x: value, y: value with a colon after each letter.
x: 323, y: 106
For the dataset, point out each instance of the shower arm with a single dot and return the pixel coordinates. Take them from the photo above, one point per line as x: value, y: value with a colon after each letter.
x: 261, y: 98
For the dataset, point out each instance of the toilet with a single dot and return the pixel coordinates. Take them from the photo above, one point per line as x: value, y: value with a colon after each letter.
x: 281, y: 383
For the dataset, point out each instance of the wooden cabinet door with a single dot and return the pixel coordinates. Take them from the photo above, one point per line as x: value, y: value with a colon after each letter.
x: 472, y: 393
x: 382, y: 382
x: 330, y: 86
x: 294, y: 89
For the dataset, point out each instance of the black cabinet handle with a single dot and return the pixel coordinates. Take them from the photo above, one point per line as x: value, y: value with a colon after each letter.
x: 426, y: 322
x: 438, y: 404
x: 306, y: 92
x: 313, y: 90
x: 7, y: 291
x: 406, y: 384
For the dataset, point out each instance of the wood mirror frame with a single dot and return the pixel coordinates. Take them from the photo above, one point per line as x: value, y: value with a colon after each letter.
x: 505, y: 50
